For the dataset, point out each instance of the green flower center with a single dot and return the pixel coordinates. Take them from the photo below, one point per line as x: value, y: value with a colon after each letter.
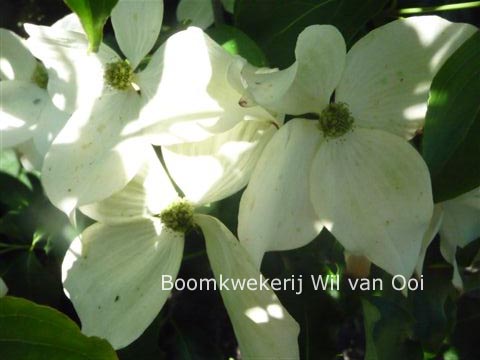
x: 40, y: 76
x: 119, y: 75
x: 178, y: 216
x: 336, y: 120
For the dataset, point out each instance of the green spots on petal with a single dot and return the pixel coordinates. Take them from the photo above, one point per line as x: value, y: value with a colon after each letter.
x: 40, y: 76
x: 335, y: 120
x: 178, y: 216
x: 119, y: 75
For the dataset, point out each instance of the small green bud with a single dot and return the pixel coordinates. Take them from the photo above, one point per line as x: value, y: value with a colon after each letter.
x: 178, y: 216
x: 119, y: 75
x: 336, y: 120
x: 40, y: 76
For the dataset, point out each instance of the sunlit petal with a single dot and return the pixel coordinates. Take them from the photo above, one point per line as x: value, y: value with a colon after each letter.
x: 70, y: 22
x: 306, y: 86
x: 275, y: 210
x: 21, y: 105
x: 50, y: 122
x: 75, y: 76
x: 218, y: 167
x: 263, y: 327
x: 137, y: 25
x: 189, y: 92
x: 389, y: 71
x: 90, y: 159
x: 199, y: 13
x: 372, y: 190
x: 16, y: 62
x: 112, y: 276
x: 147, y: 194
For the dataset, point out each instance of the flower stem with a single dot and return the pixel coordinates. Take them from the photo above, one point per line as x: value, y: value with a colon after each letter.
x: 429, y: 9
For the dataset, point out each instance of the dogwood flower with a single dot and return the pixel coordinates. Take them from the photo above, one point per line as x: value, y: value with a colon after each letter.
x: 99, y: 90
x: 112, y: 272
x: 26, y: 111
x: 352, y: 171
x: 200, y: 13
x: 3, y: 288
x: 182, y: 95
x: 457, y: 221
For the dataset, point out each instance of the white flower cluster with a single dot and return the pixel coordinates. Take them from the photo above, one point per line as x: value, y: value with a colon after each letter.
x: 93, y: 117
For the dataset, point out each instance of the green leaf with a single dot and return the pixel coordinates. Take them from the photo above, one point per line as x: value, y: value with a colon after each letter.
x: 236, y: 42
x: 331, y: 308
x: 465, y: 337
x: 146, y: 347
x: 275, y: 24
x: 451, y: 138
x: 93, y: 14
x: 30, y: 331
x: 13, y: 193
x: 388, y: 331
x: 433, y: 308
x: 10, y: 164
x: 31, y: 277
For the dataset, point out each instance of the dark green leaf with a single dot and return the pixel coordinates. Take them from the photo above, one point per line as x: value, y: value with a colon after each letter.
x: 13, y: 193
x: 451, y: 139
x: 146, y: 347
x: 237, y: 42
x: 31, y: 331
x: 465, y: 337
x: 321, y: 314
x: 28, y: 276
x: 33, y: 242
x: 388, y: 330
x: 93, y: 14
x: 275, y: 24
x: 433, y: 308
x: 10, y: 164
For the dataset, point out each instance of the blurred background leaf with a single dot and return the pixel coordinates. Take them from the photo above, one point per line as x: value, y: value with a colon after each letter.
x: 236, y: 42
x: 275, y: 24
x: 388, y: 331
x: 451, y: 138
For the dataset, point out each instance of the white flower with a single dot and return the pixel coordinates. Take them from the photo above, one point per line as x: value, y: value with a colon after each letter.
x: 457, y: 221
x: 3, y: 288
x: 91, y: 158
x: 113, y: 272
x: 182, y: 95
x: 200, y: 12
x: 352, y: 172
x: 26, y: 111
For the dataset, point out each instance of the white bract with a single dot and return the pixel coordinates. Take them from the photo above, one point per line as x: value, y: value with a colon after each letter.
x: 91, y: 158
x: 352, y: 171
x: 200, y: 12
x: 113, y: 271
x: 120, y: 107
x: 457, y: 221
x: 26, y: 111
x: 3, y: 288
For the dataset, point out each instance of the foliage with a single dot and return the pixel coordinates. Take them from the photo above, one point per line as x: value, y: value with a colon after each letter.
x: 38, y: 321
x: 451, y: 143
